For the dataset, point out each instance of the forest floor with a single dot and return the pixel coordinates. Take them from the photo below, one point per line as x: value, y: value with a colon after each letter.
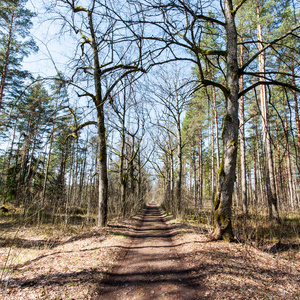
x: 151, y: 256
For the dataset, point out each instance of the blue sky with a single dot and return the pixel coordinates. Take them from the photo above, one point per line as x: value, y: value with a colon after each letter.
x: 51, y: 47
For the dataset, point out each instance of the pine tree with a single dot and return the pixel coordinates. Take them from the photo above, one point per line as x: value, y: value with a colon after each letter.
x: 15, y: 44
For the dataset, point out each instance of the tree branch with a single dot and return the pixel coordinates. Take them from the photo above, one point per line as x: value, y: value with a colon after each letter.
x: 238, y: 7
x: 273, y: 82
x: 241, y: 70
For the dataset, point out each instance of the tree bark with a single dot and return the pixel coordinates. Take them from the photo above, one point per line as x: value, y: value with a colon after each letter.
x: 195, y: 175
x: 296, y: 116
x: 242, y: 142
x: 123, y: 175
x: 270, y: 182
x: 255, y: 202
x: 179, y: 159
x: 172, y: 181
x: 10, y: 155
x: 223, y: 202
x: 216, y: 126
x: 288, y: 164
x: 6, y: 59
x: 280, y: 185
x: 99, y: 103
x: 261, y: 190
x: 200, y: 172
x: 212, y: 161
x: 103, y: 180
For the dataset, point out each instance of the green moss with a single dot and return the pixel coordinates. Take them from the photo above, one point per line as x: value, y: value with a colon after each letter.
x: 226, y: 226
x: 221, y: 169
x: 227, y: 118
x: 216, y: 203
x: 224, y: 219
x: 124, y: 178
x: 123, y: 235
x: 79, y: 8
x: 232, y: 143
x: 227, y: 237
x: 207, y: 52
x: 213, y: 52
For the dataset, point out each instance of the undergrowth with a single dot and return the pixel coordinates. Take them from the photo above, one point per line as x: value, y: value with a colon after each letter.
x: 256, y: 230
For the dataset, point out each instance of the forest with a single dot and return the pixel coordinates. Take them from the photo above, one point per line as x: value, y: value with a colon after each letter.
x: 107, y: 106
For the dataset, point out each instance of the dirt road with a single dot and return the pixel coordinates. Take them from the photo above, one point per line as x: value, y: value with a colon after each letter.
x: 151, y: 268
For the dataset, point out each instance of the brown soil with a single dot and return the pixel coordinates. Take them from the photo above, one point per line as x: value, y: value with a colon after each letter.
x: 152, y: 268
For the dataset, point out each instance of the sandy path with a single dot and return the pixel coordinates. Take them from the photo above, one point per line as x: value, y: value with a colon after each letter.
x: 151, y: 268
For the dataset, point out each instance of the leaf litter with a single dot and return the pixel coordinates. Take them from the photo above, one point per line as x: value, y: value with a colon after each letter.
x: 37, y: 265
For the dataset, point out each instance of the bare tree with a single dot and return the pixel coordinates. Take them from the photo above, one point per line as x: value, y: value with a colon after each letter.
x: 172, y: 90
x: 181, y: 25
x: 129, y: 123
x: 106, y: 52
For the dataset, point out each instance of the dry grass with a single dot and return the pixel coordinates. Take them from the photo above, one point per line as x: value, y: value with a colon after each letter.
x: 238, y: 270
x: 257, y: 231
x: 281, y: 239
x: 55, y: 263
x: 52, y: 262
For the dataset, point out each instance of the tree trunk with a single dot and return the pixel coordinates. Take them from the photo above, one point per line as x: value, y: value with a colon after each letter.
x: 212, y: 162
x: 288, y: 165
x: 261, y: 190
x: 6, y: 59
x: 195, y: 176
x: 179, y: 159
x: 249, y: 187
x: 123, y: 175
x: 24, y: 162
x: 29, y: 169
x: 242, y: 142
x: 200, y: 172
x: 139, y: 187
x: 281, y: 191
x: 73, y: 198
x: 82, y: 178
x: 46, y: 171
x: 98, y: 101
x: 296, y: 117
x: 131, y: 167
x: 172, y: 183
x: 89, y: 196
x: 216, y: 125
x: 294, y: 178
x: 69, y: 192
x: 103, y: 181
x: 10, y: 155
x: 190, y: 172
x: 270, y: 182
x: 223, y: 202
x: 255, y: 202
x: 47, y: 167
